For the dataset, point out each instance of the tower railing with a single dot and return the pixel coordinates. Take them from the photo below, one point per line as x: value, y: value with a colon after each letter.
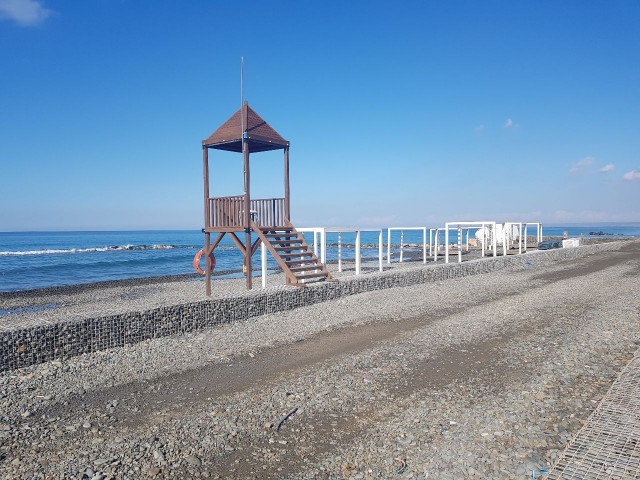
x: 228, y: 212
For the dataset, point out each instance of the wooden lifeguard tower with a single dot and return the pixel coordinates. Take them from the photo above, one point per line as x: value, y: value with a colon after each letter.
x: 246, y: 132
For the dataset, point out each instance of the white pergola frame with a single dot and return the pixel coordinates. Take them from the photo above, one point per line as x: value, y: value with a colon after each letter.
x: 522, y: 232
x: 434, y: 243
x: 470, y: 225
x: 504, y: 237
x: 431, y: 232
x: 402, y: 229
x: 322, y: 232
x: 538, y: 232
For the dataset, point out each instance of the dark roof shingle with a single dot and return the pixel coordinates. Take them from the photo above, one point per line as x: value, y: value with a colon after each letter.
x: 260, y: 135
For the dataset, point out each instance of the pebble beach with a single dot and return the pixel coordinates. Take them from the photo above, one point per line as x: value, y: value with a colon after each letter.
x: 485, y: 376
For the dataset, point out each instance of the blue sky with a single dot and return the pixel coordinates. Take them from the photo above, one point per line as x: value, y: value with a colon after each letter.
x: 398, y: 113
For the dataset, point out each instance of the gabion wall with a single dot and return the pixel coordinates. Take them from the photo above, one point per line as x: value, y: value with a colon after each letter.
x: 33, y: 345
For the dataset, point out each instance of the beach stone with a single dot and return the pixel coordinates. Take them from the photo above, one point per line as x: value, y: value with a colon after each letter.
x: 193, y: 460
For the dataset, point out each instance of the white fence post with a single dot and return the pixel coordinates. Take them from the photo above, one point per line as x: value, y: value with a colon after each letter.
x: 340, y: 252
x: 424, y: 245
x: 446, y: 243
x: 388, y: 245
x: 358, y: 252
x: 380, y: 255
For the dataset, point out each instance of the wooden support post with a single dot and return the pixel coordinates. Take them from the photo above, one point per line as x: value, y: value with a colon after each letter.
x: 263, y: 262
x: 207, y: 264
x: 248, y: 260
x: 247, y: 199
x: 216, y: 243
x: 207, y: 220
x: 255, y: 245
x: 287, y: 200
x: 238, y: 243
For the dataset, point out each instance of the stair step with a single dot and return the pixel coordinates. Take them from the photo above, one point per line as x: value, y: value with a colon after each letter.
x: 290, y: 248
x: 286, y: 240
x: 283, y: 234
x: 286, y: 243
x: 311, y: 275
x: 293, y: 254
x: 300, y: 261
x: 278, y: 228
x: 299, y: 254
x: 306, y: 268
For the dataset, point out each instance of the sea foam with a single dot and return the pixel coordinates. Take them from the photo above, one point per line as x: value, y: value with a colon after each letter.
x: 113, y: 248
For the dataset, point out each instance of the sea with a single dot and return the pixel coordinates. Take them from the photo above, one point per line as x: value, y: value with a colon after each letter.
x: 32, y: 260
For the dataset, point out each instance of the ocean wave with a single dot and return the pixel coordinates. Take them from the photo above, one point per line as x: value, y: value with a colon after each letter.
x: 111, y: 248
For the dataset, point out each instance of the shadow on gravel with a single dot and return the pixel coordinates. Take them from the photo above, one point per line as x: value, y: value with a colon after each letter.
x: 216, y: 380
x: 322, y: 430
x: 592, y: 264
x: 448, y: 366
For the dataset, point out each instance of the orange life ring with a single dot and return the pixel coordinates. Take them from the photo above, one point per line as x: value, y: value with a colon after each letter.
x: 196, y: 262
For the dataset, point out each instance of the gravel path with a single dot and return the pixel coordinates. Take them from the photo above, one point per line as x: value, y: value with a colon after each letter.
x: 486, y: 376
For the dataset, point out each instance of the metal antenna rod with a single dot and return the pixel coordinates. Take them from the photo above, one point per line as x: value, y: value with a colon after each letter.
x: 242, y: 93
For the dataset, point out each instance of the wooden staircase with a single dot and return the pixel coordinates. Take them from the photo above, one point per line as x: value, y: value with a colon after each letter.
x: 297, y: 260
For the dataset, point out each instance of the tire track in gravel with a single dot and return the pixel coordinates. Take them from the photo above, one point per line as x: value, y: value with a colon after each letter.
x: 218, y: 380
x: 205, y: 383
x: 491, y: 360
x: 485, y: 360
x: 592, y: 264
x: 433, y: 374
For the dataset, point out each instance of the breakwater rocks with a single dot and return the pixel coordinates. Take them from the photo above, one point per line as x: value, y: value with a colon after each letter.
x: 32, y: 345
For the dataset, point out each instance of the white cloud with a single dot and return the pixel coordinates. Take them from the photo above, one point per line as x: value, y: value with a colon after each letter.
x: 632, y: 175
x: 609, y: 167
x: 581, y: 165
x: 479, y: 129
x: 24, y: 12
x: 508, y: 123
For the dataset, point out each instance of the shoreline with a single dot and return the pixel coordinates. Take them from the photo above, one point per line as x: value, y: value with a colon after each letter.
x: 412, y: 253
